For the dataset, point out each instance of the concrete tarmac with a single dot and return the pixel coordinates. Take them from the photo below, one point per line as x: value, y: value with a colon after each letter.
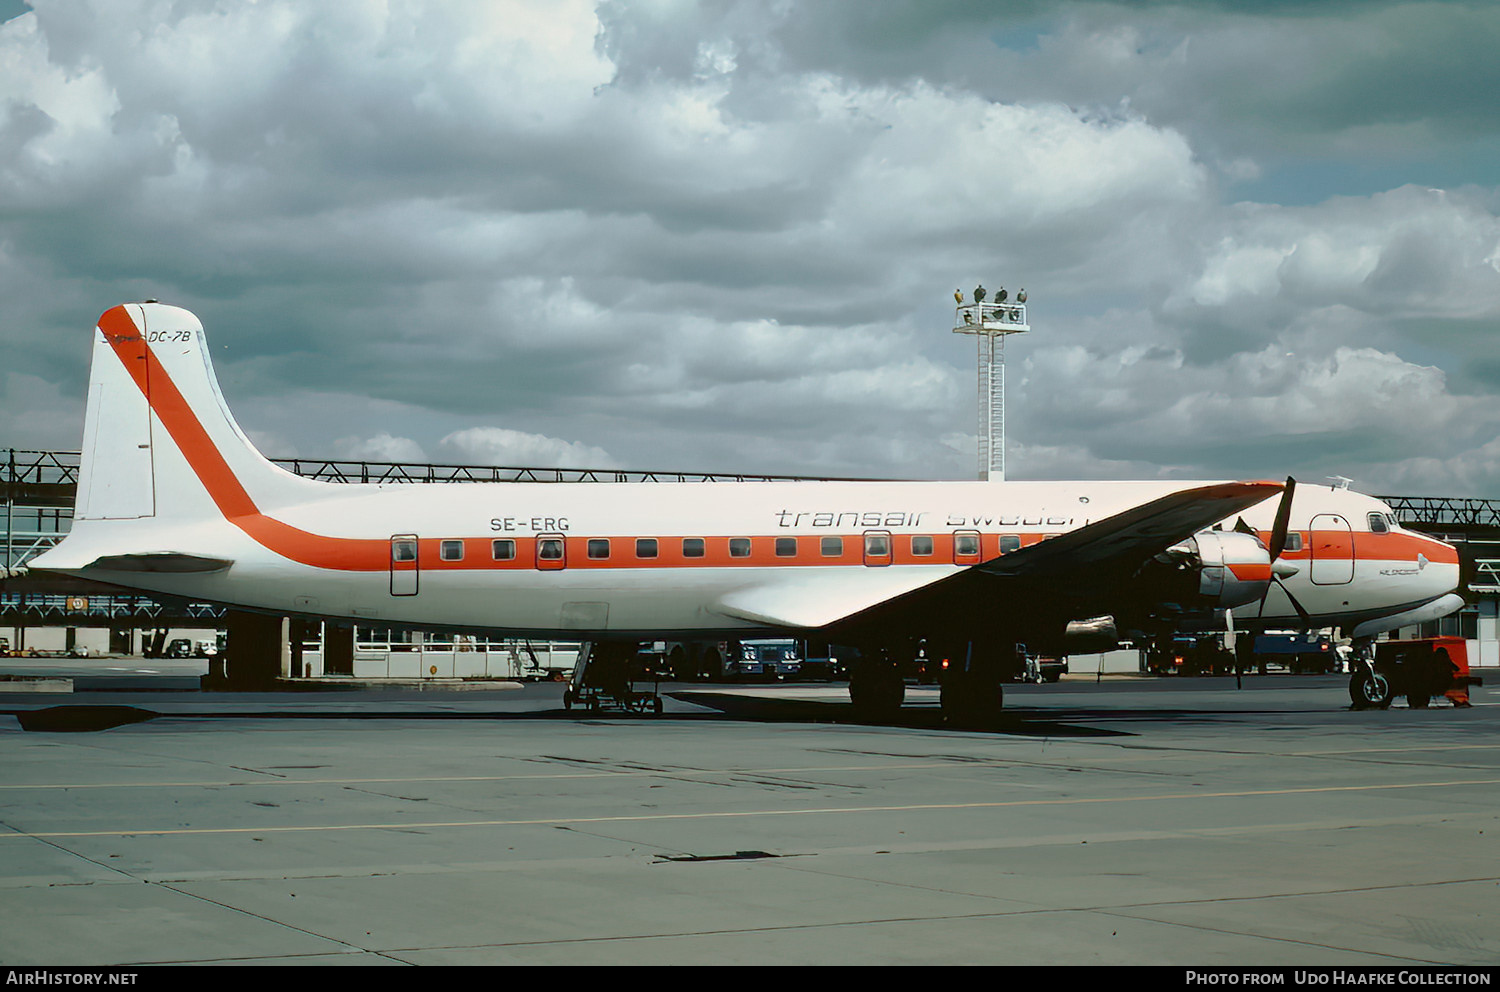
x: 1133, y: 822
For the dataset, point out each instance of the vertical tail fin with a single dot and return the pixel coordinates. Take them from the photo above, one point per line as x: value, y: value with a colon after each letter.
x: 159, y: 440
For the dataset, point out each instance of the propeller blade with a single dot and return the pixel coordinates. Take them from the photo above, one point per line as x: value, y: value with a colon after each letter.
x: 1283, y: 519
x: 1301, y: 612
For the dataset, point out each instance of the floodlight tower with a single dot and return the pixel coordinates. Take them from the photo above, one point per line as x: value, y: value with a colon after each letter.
x: 991, y: 322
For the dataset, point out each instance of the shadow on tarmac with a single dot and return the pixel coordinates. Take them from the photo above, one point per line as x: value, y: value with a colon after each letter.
x: 74, y: 718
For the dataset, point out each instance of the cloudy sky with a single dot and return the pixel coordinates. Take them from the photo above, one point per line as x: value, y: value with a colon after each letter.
x: 1259, y: 239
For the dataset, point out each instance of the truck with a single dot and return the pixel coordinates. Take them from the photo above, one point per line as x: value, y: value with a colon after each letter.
x: 1186, y: 655
x: 1301, y: 653
x: 714, y: 661
x: 777, y: 658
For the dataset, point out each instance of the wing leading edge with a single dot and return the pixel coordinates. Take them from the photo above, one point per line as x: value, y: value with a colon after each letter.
x: 1077, y: 569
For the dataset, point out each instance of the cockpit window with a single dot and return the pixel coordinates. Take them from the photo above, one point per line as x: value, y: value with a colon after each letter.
x: 1377, y: 523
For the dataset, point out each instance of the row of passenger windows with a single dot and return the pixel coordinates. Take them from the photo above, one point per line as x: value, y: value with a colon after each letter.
x: 647, y: 548
x: 875, y: 546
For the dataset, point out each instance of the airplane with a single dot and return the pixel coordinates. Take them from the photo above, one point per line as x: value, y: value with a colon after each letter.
x: 173, y: 498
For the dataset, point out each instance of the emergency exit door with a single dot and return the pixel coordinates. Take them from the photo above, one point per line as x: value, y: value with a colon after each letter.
x: 404, y: 565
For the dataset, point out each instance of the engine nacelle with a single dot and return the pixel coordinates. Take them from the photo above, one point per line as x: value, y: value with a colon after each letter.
x: 1096, y: 634
x: 1214, y: 570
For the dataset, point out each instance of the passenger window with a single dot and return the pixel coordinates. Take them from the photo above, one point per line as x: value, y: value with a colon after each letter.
x: 1377, y: 523
x: 403, y: 551
x: 645, y: 547
x: 877, y: 545
x: 921, y: 547
x: 966, y: 544
x: 739, y: 547
x: 1009, y: 543
x: 550, y: 549
x: 833, y: 547
x: 598, y: 547
x: 502, y: 550
x: 692, y: 547
x: 786, y: 547
x: 1293, y: 541
x: 451, y: 551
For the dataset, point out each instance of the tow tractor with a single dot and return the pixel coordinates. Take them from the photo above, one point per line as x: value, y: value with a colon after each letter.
x: 1420, y: 669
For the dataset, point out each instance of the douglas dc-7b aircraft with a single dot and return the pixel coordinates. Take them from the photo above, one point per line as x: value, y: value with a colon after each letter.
x: 173, y: 498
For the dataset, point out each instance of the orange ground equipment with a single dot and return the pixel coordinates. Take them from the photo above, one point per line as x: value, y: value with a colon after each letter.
x: 1420, y: 669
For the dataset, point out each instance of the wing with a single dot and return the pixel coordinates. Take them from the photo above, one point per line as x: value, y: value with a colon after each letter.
x: 1081, y: 572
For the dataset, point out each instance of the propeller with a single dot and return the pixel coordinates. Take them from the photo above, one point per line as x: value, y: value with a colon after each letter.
x: 1277, y: 546
x: 1283, y: 519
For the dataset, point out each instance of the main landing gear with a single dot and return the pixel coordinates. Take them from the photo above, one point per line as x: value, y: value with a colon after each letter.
x: 970, y: 681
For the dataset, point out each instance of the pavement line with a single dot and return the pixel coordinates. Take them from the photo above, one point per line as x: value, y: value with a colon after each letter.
x: 824, y: 811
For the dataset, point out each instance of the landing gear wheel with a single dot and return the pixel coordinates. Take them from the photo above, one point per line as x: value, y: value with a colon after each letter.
x: 568, y: 698
x: 1370, y: 689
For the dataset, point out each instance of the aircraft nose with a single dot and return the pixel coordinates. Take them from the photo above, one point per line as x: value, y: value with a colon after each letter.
x: 1438, y: 566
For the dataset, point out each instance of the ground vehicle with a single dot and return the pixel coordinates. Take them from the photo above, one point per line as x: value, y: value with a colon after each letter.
x: 179, y: 647
x: 778, y: 658
x: 1188, y: 656
x: 1419, y: 669
x: 1300, y: 652
x: 1040, y: 668
x: 614, y: 681
x: 822, y: 661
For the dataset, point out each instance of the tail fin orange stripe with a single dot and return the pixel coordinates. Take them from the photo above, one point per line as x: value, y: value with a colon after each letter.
x: 218, y: 478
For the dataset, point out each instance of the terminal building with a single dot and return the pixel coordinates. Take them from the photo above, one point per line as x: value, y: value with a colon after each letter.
x: 55, y: 616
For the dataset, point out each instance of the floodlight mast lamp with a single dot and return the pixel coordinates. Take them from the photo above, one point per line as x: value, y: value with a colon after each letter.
x: 991, y: 322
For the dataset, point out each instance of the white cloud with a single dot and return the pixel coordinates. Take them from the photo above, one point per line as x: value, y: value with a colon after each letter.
x: 380, y: 448
x: 501, y: 446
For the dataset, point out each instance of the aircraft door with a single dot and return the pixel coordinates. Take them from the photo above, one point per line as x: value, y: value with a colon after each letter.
x: 404, y: 565
x: 966, y: 547
x: 551, y: 552
x: 1331, y: 551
